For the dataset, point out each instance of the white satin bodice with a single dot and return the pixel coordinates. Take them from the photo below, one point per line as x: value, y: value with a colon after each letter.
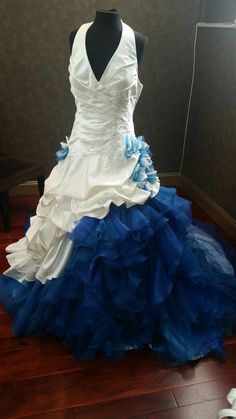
x: 104, y: 108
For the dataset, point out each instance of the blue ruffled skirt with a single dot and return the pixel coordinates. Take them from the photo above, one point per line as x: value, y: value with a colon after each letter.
x: 144, y: 276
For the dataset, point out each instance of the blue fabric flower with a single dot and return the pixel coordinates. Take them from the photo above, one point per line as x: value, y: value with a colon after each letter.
x: 132, y: 145
x: 62, y: 152
x: 144, y: 173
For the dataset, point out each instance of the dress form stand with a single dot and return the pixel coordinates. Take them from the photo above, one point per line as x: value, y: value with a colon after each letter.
x: 103, y: 38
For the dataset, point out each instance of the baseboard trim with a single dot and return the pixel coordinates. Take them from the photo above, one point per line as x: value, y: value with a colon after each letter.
x: 26, y: 188
x: 220, y: 217
x: 169, y: 179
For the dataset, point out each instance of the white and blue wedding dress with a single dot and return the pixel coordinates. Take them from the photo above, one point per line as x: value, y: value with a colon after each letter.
x: 113, y: 261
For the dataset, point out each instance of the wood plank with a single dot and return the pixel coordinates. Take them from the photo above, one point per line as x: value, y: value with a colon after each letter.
x: 43, y: 361
x: 206, y: 410
x: 111, y: 383
x: 128, y: 407
x: 22, y: 343
x: 56, y: 394
x: 58, y: 414
x: 211, y: 390
x: 5, y: 319
x: 39, y: 365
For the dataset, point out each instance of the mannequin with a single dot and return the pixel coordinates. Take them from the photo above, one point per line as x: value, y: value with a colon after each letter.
x: 102, y: 40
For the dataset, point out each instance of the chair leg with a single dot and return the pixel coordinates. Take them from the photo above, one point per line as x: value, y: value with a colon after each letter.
x: 41, y: 180
x: 4, y: 207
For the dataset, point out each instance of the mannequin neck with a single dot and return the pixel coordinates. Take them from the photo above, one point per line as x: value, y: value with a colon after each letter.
x: 108, y: 19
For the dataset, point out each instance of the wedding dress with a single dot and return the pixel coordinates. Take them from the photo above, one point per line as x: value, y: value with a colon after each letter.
x: 112, y: 260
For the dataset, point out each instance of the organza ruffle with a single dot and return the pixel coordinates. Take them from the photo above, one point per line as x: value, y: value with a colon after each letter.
x: 147, y: 275
x: 62, y: 152
x: 144, y: 173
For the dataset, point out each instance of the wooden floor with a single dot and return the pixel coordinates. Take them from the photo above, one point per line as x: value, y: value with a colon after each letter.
x: 39, y: 378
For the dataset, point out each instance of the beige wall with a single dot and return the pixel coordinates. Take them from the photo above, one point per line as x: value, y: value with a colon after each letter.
x: 210, y: 157
x: 220, y: 10
x: 36, y: 102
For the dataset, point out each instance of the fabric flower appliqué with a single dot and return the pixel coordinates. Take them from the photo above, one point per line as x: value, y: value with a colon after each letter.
x: 62, y: 152
x: 144, y: 173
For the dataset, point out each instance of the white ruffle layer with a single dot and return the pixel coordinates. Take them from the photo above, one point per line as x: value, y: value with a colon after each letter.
x: 41, y: 253
x: 87, y: 185
x: 76, y: 186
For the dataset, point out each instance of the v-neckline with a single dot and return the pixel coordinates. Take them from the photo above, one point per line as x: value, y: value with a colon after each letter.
x: 111, y: 59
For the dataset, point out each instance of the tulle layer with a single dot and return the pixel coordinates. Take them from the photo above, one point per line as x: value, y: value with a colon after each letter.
x: 147, y: 275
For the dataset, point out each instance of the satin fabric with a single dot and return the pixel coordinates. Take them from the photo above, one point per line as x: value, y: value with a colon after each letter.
x: 95, y: 172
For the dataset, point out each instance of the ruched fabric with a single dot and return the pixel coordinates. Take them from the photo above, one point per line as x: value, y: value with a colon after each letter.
x: 148, y: 275
x: 98, y: 164
x: 112, y: 261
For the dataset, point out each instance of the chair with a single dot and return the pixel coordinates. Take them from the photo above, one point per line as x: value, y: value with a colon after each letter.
x: 13, y: 171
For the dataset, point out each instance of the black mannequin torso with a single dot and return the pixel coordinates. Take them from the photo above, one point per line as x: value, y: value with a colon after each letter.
x: 102, y: 40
